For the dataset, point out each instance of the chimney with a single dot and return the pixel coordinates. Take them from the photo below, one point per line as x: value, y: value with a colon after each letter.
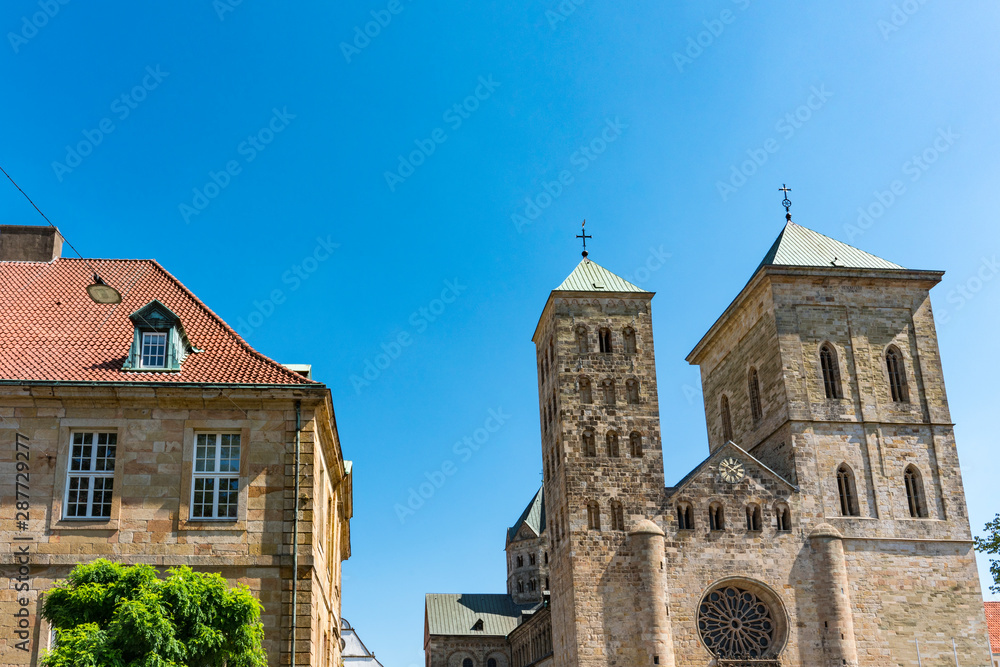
x: 29, y: 243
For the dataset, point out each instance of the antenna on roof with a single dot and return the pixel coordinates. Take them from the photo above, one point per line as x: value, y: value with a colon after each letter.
x: 786, y: 202
x: 100, y: 291
x: 583, y: 235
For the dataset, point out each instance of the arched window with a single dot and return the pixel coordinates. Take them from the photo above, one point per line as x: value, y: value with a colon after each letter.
x: 492, y: 662
x: 581, y: 340
x: 847, y: 491
x: 612, y: 442
x: 685, y: 518
x: 784, y: 518
x: 628, y: 337
x: 520, y: 586
x: 586, y: 394
x: 532, y: 585
x: 546, y: 562
x: 915, y: 492
x: 754, y: 522
x: 604, y: 335
x: 608, y: 387
x: 831, y: 371
x: 727, y: 420
x: 897, y: 376
x: 617, y: 516
x: 589, y: 446
x: 756, y: 410
x: 593, y: 515
x: 716, y: 517
x: 520, y: 561
x: 467, y: 662
x: 632, y: 391
x: 531, y: 559
x: 635, y: 444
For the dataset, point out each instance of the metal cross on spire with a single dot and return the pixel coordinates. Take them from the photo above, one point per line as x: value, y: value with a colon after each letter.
x: 583, y: 235
x: 786, y: 202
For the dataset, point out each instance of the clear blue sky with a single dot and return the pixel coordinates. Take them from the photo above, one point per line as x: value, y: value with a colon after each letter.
x: 548, y: 83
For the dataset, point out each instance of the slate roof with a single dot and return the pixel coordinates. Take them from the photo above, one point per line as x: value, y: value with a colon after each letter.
x: 50, y: 330
x: 589, y: 276
x: 533, y: 516
x: 457, y: 613
x: 993, y: 625
x: 798, y: 246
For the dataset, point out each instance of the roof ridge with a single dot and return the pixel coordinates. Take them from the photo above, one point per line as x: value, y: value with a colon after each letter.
x: 581, y: 279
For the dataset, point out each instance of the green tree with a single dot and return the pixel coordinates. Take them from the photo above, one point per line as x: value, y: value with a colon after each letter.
x: 112, y: 615
x: 991, y: 545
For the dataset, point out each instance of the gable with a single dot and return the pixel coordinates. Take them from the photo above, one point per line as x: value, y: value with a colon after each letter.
x: 710, y: 476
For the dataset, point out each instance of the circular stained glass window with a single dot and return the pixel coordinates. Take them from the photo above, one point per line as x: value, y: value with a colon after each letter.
x: 735, y: 623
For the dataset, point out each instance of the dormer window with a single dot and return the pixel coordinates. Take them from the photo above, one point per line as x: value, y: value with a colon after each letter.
x: 158, y: 341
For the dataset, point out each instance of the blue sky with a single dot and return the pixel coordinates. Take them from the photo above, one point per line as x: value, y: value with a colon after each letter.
x: 247, y: 149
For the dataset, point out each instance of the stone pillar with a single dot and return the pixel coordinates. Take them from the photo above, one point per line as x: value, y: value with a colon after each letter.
x: 833, y: 601
x: 655, y: 640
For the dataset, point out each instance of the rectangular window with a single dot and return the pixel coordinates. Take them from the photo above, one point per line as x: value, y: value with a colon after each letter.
x: 91, y: 475
x: 154, y: 350
x: 215, y: 480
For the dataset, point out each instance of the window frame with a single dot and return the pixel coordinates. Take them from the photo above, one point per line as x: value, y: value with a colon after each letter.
x: 727, y: 419
x: 895, y: 369
x: 165, y: 337
x: 629, y: 345
x: 91, y: 474
x: 716, y: 517
x: 632, y: 392
x: 57, y: 506
x: 753, y: 391
x: 635, y: 438
x: 613, y: 443
x: 685, y: 516
x: 605, y: 341
x: 586, y: 389
x: 192, y: 427
x: 829, y: 364
x: 847, y: 492
x: 593, y: 516
x: 916, y: 497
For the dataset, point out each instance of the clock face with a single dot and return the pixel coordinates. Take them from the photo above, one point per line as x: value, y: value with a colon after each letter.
x: 731, y: 470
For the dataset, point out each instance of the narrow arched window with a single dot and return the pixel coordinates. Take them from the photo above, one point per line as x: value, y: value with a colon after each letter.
x: 831, y: 371
x: 581, y: 340
x: 593, y: 515
x: 612, y: 442
x: 589, y: 445
x: 520, y: 586
x: 608, y: 387
x: 520, y: 561
x: 617, y: 516
x: 532, y: 585
x: 604, y: 335
x: 628, y: 337
x: 632, y: 391
x: 756, y: 411
x: 685, y: 518
x: 897, y: 376
x: 546, y: 562
x: 784, y: 518
x: 586, y: 393
x: 915, y: 492
x: 847, y: 491
x: 727, y: 420
x: 754, y: 522
x: 531, y: 559
x: 635, y: 444
x: 716, y: 517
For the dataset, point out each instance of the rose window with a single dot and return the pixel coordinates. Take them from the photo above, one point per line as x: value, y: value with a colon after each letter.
x: 735, y: 623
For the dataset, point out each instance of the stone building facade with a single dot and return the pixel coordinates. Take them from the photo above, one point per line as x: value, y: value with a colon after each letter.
x: 826, y: 527
x: 148, y: 431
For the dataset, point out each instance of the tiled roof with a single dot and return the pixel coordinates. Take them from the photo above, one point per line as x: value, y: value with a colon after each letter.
x: 533, y: 516
x: 799, y: 246
x: 993, y: 624
x: 457, y: 613
x: 589, y: 276
x: 50, y: 330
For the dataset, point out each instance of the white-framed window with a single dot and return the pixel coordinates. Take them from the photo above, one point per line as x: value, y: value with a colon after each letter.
x: 154, y: 349
x: 90, y: 475
x: 215, y: 484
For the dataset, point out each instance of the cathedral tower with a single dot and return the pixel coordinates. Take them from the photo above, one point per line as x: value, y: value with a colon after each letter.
x: 603, y: 461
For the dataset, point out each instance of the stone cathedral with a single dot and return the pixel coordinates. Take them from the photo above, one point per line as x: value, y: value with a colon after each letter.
x: 827, y: 527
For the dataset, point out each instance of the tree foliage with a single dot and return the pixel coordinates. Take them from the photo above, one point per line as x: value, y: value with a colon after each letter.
x: 991, y: 545
x: 112, y: 615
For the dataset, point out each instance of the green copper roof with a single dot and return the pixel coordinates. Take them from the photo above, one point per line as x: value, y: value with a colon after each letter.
x: 589, y: 276
x: 798, y: 246
x: 457, y: 614
x: 533, y: 516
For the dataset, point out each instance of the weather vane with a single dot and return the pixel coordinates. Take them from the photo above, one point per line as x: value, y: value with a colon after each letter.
x: 786, y: 202
x: 584, y: 236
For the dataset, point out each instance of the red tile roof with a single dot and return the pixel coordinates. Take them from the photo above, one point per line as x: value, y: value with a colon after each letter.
x: 51, y: 330
x: 993, y: 623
